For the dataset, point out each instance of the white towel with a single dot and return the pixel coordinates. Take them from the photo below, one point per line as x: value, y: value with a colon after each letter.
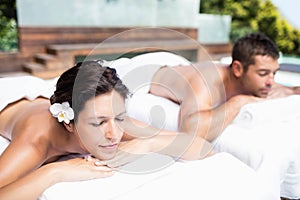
x: 157, y: 111
x: 270, y: 146
x: 218, y: 177
x: 155, y: 176
x: 137, y: 72
x: 269, y: 111
x: 29, y: 87
x: 271, y: 149
x: 3, y: 144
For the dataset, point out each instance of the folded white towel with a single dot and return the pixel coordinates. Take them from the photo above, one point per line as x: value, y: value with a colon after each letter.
x: 29, y: 87
x: 274, y: 110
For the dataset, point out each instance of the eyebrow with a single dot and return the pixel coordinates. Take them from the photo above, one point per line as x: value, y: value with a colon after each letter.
x: 263, y: 70
x: 105, y: 117
x: 268, y: 70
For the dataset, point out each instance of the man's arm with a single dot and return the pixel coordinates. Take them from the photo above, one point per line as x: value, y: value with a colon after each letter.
x: 279, y: 90
x: 210, y: 123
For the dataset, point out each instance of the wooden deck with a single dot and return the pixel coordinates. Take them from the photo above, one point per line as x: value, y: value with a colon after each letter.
x: 48, y: 51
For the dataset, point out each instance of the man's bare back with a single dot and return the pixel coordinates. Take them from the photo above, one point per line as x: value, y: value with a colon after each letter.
x: 195, y: 87
x: 211, y: 96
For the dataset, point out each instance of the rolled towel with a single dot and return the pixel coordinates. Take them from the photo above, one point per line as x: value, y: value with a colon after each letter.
x: 274, y: 110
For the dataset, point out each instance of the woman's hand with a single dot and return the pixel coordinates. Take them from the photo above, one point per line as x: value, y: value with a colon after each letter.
x: 128, y: 151
x: 79, y: 169
x: 34, y: 184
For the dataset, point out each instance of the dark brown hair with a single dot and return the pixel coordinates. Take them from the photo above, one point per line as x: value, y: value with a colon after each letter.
x: 84, y: 81
x: 251, y: 45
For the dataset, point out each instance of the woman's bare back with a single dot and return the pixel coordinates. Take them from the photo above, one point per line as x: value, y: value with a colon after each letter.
x: 17, y: 111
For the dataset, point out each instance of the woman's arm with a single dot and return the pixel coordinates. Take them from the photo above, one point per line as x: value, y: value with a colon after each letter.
x: 31, y: 186
x: 20, y: 158
x: 191, y: 144
x: 146, y: 138
x: 175, y: 144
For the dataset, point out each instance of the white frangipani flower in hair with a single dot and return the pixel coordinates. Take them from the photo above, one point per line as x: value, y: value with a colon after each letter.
x: 63, y: 112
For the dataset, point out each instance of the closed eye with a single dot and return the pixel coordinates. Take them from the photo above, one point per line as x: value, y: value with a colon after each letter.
x: 97, y: 124
x: 119, y: 119
x: 263, y: 72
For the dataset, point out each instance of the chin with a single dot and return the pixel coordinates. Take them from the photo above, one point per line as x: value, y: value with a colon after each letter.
x: 264, y: 95
x: 107, y: 156
x: 261, y: 95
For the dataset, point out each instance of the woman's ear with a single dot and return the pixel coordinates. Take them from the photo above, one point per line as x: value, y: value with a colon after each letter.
x: 237, y: 68
x: 69, y: 127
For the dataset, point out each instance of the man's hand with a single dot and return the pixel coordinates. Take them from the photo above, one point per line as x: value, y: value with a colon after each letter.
x: 279, y: 91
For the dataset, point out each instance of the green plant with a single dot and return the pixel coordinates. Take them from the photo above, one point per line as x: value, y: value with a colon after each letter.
x: 253, y: 16
x: 8, y: 26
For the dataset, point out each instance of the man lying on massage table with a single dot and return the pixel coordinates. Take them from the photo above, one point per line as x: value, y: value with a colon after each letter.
x: 211, y: 95
x: 85, y: 115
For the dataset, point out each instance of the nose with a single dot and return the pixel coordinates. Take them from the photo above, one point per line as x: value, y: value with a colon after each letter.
x: 112, y: 131
x: 270, y: 80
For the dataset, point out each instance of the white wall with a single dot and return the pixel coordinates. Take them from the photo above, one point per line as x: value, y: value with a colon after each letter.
x: 125, y: 13
x: 107, y: 13
x: 213, y: 28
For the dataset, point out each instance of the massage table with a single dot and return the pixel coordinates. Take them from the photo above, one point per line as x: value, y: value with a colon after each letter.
x: 255, y: 159
x: 265, y: 135
x: 155, y: 176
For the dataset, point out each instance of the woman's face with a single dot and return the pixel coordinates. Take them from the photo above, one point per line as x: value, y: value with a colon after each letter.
x: 100, y: 125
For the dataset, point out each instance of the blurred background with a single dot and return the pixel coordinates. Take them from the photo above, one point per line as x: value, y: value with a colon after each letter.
x: 216, y: 21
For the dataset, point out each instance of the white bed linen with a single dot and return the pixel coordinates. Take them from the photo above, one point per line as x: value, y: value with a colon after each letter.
x: 219, y: 177
x: 29, y: 87
x: 268, y: 144
x: 264, y: 135
x: 276, y: 110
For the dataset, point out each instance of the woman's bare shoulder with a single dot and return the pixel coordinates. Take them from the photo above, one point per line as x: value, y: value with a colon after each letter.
x: 33, y: 120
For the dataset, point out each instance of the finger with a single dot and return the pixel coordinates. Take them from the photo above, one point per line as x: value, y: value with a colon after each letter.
x: 103, y: 168
x: 103, y: 163
x: 88, y: 157
x: 100, y: 163
x: 102, y: 174
x: 95, y: 161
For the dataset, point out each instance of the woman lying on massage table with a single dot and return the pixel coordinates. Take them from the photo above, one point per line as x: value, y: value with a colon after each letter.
x: 86, y: 115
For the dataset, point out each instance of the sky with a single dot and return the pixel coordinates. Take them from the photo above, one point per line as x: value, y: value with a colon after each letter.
x: 289, y: 10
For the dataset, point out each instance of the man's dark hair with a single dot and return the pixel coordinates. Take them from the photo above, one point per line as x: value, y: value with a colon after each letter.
x: 247, y: 47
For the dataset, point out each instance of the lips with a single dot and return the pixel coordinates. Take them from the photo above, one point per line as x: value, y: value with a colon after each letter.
x: 109, y: 146
x: 265, y: 90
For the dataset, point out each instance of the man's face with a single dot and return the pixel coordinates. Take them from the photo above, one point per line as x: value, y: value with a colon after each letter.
x: 259, y: 78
